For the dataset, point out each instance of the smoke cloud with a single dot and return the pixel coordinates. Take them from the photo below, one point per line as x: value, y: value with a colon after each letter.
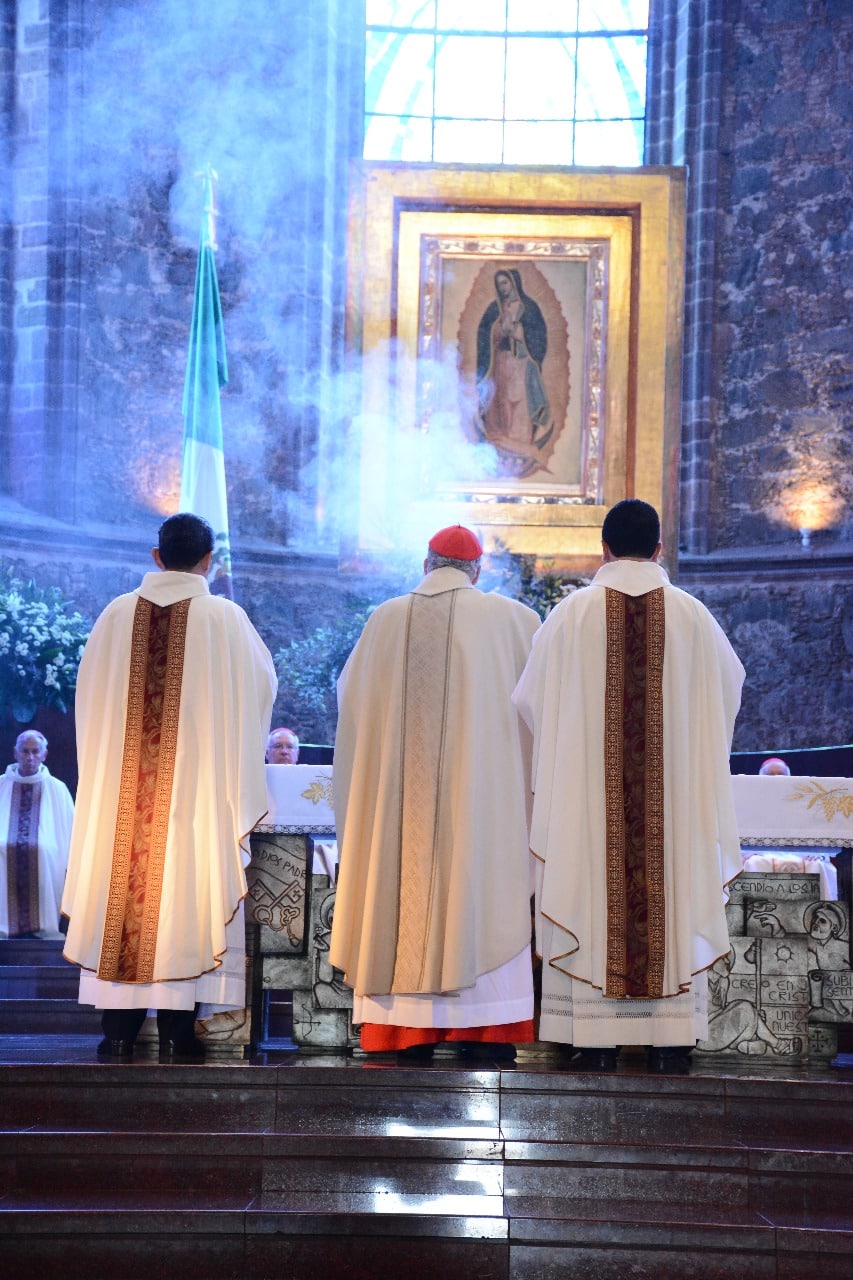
x: 168, y: 89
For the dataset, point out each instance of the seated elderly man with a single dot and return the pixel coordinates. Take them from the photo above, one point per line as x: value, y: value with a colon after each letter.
x: 36, y: 813
x: 282, y: 747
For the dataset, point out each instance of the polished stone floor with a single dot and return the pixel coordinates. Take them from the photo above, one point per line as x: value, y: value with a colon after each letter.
x: 294, y: 1165
x: 540, y: 1057
x: 297, y: 1166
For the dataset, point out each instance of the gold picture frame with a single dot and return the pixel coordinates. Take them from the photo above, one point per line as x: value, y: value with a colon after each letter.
x: 518, y: 338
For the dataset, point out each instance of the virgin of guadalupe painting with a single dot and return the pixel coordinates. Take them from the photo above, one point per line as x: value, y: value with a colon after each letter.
x: 472, y: 404
x: 512, y: 340
x: 521, y: 369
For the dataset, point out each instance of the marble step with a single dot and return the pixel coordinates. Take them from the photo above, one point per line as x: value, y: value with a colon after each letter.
x: 65, y: 1168
x: 131, y: 1237
x: 31, y: 950
x: 531, y: 1180
x: 47, y: 1017
x: 352, y: 1101
x: 649, y: 1245
x: 370, y: 1170
x: 38, y: 981
x: 297, y: 1098
x: 589, y: 1180
x: 133, y: 1234
x: 696, y: 1110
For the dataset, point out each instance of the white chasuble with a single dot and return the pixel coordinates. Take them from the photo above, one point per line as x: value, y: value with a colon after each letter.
x: 174, y: 696
x: 36, y: 813
x: 631, y: 693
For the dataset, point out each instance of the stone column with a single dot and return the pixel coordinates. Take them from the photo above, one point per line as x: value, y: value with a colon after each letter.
x: 40, y: 243
x: 683, y: 97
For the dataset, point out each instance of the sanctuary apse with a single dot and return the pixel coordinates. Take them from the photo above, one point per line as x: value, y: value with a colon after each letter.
x: 97, y: 246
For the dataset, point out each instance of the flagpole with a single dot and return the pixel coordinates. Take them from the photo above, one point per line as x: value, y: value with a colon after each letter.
x: 203, y: 490
x: 210, y: 177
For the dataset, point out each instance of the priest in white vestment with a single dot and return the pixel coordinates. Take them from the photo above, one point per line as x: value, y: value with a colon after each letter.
x: 36, y: 813
x: 631, y: 693
x: 174, y: 697
x: 432, y: 915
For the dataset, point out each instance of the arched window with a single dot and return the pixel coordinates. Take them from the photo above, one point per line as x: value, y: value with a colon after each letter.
x: 539, y: 82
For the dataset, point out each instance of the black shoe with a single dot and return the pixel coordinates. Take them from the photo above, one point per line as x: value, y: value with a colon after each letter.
x: 486, y: 1051
x: 669, y: 1060
x: 416, y: 1053
x: 594, y: 1060
x: 182, y: 1050
x: 115, y: 1048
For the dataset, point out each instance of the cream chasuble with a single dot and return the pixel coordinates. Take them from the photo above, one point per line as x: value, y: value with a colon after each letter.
x: 631, y: 693
x: 426, y: 684
x: 430, y: 778
x: 36, y: 814
x: 173, y: 703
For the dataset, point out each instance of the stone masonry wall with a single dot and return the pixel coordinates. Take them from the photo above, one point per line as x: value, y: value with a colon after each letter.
x: 795, y: 640
x: 108, y: 123
x: 109, y: 113
x: 783, y: 334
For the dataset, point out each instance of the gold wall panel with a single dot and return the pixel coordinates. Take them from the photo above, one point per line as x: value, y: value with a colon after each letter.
x: 441, y: 260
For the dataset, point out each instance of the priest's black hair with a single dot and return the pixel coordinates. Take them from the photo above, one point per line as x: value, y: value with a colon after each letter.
x: 183, y: 540
x: 632, y: 528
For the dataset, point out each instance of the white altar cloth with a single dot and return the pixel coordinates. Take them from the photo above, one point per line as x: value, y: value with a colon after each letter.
x: 794, y: 825
x: 777, y: 817
x: 794, y: 812
x: 300, y: 799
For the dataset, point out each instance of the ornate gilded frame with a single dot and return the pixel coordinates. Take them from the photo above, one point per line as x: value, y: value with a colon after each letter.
x: 425, y: 243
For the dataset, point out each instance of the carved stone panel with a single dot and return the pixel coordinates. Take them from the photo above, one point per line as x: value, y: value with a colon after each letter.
x: 775, y: 886
x: 787, y: 979
x: 322, y: 1008
x: 753, y: 1009
x: 276, y: 877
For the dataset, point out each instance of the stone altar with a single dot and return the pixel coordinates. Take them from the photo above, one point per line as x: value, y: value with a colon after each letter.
x: 780, y: 993
x: 289, y: 910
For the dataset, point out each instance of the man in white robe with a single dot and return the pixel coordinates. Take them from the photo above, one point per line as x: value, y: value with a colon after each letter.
x: 631, y: 693
x: 432, y: 917
x: 36, y: 813
x: 174, y: 697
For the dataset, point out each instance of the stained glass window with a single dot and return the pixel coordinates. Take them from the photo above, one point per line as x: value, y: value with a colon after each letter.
x: 515, y: 82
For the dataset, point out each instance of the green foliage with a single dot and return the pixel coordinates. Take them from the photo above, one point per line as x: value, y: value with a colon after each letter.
x: 541, y: 591
x: 41, y: 642
x: 308, y: 670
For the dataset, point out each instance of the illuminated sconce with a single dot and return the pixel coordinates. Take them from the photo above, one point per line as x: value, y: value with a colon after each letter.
x: 156, y: 484
x: 810, y: 505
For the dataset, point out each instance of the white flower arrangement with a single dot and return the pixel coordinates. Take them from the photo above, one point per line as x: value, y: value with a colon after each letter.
x: 41, y: 642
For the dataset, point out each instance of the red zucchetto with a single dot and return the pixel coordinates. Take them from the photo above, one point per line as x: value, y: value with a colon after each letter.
x: 456, y: 543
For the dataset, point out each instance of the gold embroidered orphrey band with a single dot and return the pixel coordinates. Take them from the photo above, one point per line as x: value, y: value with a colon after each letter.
x: 147, y: 770
x: 633, y: 771
x: 22, y: 859
x: 425, y: 693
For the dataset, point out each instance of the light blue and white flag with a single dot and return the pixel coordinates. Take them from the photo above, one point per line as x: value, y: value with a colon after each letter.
x: 203, y: 465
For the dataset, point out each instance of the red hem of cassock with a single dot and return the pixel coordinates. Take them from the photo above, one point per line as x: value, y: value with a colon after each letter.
x: 377, y: 1038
